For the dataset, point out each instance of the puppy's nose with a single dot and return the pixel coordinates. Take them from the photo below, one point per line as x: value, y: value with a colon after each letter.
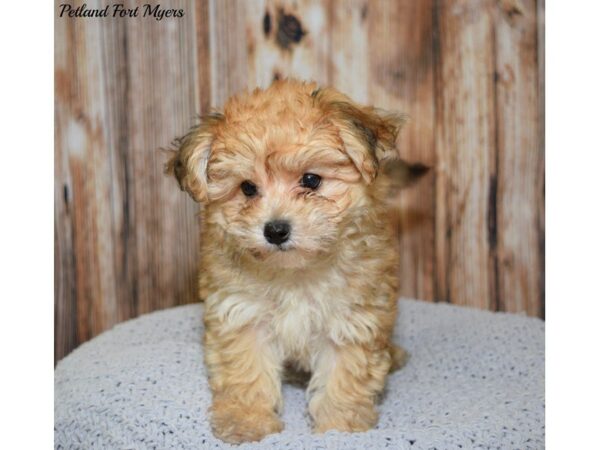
x: 277, y: 231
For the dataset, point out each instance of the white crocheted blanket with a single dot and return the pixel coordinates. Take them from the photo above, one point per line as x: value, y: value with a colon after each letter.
x: 475, y: 379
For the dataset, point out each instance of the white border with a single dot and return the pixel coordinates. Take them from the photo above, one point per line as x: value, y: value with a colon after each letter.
x: 572, y: 224
x: 26, y: 236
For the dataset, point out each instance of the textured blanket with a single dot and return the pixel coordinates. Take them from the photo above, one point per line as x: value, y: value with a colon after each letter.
x: 475, y: 379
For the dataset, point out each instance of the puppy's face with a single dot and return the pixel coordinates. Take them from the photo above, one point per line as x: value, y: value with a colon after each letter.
x: 285, y: 170
x: 283, y: 188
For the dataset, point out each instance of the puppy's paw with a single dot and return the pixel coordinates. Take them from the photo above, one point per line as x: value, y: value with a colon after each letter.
x: 354, y: 420
x: 236, y: 424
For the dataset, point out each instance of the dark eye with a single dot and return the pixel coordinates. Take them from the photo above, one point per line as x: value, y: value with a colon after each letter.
x: 248, y: 188
x: 311, y: 181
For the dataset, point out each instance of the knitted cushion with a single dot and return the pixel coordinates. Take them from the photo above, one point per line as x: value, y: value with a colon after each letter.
x: 475, y: 379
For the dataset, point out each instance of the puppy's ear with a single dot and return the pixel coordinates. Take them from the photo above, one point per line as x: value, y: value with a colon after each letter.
x: 189, y: 160
x: 369, y: 135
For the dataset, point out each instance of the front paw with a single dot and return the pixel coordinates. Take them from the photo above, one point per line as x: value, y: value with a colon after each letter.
x: 352, y: 420
x: 235, y: 423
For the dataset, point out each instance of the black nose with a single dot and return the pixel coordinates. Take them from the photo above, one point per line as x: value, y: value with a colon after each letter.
x: 277, y: 231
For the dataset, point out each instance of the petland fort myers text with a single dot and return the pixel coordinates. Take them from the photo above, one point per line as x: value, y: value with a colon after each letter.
x: 119, y: 10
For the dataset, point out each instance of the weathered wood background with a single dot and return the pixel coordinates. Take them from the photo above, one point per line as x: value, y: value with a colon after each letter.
x: 470, y: 74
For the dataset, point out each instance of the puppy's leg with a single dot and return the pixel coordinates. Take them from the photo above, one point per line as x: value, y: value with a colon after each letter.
x: 245, y: 381
x: 345, y: 386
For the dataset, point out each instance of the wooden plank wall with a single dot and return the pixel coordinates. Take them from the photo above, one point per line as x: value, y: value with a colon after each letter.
x: 468, y: 72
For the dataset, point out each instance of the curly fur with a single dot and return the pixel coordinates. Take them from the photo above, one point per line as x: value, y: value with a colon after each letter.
x: 325, y: 301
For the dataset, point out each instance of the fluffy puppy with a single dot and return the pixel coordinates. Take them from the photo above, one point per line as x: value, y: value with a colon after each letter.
x: 298, y: 258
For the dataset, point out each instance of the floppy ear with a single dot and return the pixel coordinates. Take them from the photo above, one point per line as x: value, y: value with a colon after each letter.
x: 369, y: 135
x: 189, y: 160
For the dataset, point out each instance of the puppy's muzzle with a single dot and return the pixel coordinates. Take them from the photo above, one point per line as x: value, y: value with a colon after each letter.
x: 277, y: 231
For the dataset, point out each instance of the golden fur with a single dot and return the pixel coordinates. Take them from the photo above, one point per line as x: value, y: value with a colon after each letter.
x: 325, y: 302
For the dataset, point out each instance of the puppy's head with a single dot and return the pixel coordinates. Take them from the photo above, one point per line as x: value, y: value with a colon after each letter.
x: 286, y: 170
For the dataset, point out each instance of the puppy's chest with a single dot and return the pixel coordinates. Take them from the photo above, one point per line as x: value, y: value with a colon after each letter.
x: 298, y: 316
x: 303, y: 316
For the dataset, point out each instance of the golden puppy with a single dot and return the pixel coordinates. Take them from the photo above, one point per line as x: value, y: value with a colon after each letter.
x: 298, y: 257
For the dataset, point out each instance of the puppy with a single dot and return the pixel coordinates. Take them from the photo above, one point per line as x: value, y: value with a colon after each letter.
x: 298, y: 257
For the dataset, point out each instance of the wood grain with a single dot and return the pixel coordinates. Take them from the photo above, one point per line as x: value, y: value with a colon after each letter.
x: 126, y: 237
x: 402, y: 79
x: 519, y: 157
x: 540, y: 181
x: 466, y: 153
x: 470, y: 74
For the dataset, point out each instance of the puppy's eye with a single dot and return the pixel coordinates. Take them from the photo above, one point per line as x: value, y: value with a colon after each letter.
x: 311, y: 181
x: 248, y: 188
